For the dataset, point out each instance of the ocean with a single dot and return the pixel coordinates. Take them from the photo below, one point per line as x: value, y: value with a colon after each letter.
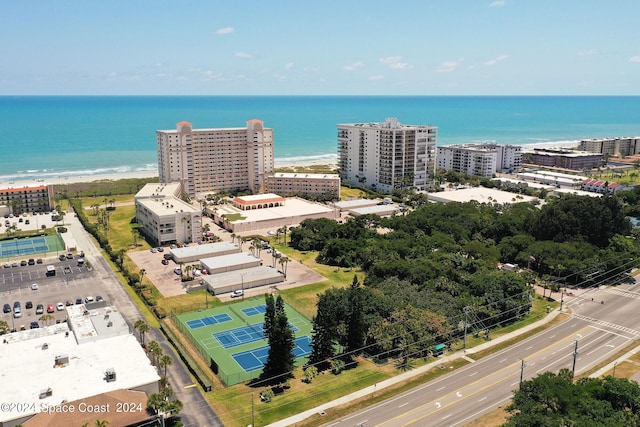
x: 61, y: 136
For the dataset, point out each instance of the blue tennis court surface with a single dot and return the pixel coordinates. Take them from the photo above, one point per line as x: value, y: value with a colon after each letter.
x: 9, y: 248
x: 209, y: 320
x: 251, y: 360
x: 252, y: 311
x: 243, y: 335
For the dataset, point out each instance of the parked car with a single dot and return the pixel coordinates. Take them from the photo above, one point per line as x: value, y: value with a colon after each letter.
x: 78, y: 300
x: 62, y: 257
x: 60, y: 306
x: 39, y: 261
x: 34, y: 325
x: 50, y: 308
x: 6, y: 308
x: 69, y: 256
x: 34, y: 286
x: 178, y: 271
x: 39, y: 309
x: 165, y: 262
x: 32, y: 261
x: 237, y: 293
x: 29, y: 304
x: 88, y: 299
x: 154, y: 250
x: 23, y: 263
x: 69, y: 302
x: 160, y: 249
x: 99, y: 298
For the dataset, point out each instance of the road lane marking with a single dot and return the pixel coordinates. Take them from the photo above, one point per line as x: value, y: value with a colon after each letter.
x: 441, y: 388
x: 503, y: 360
x: 473, y: 374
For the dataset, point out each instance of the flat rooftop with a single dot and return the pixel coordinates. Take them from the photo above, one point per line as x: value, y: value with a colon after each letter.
x: 382, y: 210
x: 357, y: 203
x: 29, y: 367
x: 237, y: 277
x: 293, y: 207
x: 576, y: 192
x: 231, y: 260
x: 158, y: 190
x: 205, y: 250
x: 481, y: 195
x: 166, y: 206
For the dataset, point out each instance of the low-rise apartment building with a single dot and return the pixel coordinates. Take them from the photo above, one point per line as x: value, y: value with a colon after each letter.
x: 624, y: 146
x: 562, y: 158
x: 164, y: 218
x: 305, y: 184
x: 20, y: 199
x: 479, y: 159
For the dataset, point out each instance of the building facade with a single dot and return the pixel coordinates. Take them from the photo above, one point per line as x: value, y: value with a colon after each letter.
x: 213, y: 160
x: 563, y: 159
x: 626, y: 146
x: 38, y: 198
x: 386, y: 156
x: 164, y: 218
x: 479, y: 159
x: 305, y: 184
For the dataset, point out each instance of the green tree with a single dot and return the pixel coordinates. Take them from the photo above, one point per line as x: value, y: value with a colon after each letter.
x: 164, y: 362
x: 356, y: 326
x: 154, y: 349
x: 142, y: 327
x: 280, y: 359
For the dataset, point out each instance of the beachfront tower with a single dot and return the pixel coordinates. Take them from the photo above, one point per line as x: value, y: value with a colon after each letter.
x: 386, y: 156
x: 212, y: 160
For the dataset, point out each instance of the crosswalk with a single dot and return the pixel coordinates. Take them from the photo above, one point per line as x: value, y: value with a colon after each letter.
x: 606, y: 324
x: 623, y: 293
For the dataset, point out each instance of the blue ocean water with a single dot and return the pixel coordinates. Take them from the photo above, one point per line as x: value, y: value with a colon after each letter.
x: 57, y: 136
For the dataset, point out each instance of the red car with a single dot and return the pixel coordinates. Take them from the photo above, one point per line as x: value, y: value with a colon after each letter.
x: 50, y: 308
x: 165, y: 262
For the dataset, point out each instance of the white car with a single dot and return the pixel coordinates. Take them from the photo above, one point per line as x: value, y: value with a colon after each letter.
x: 88, y: 299
x: 237, y: 293
x: 59, y: 306
x: 34, y: 287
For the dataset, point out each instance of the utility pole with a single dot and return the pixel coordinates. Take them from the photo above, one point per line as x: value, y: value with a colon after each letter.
x: 575, y: 356
x: 562, y: 298
x: 252, y: 412
x: 466, y: 312
x: 522, y: 366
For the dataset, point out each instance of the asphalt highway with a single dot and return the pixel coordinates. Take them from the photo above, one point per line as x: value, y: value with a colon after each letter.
x: 601, y: 323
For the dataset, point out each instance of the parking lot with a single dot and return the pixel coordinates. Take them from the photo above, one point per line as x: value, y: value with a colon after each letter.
x: 71, y: 283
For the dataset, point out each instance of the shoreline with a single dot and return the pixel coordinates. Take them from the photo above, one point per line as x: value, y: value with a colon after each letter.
x: 326, y: 160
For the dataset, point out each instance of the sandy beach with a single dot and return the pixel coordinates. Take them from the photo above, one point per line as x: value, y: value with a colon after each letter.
x: 285, y: 163
x: 145, y: 174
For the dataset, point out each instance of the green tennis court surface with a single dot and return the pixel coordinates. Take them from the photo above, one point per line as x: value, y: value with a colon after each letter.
x: 231, y: 338
x: 30, y: 246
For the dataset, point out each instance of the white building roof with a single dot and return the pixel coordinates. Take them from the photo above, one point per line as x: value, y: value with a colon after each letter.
x: 576, y: 192
x: 259, y: 197
x: 157, y: 190
x: 293, y: 207
x: 203, y: 251
x: 529, y: 184
x: 231, y: 260
x: 167, y: 206
x: 237, y: 277
x: 29, y: 364
x: 306, y: 175
x: 481, y: 195
x: 357, y: 203
x: 382, y: 210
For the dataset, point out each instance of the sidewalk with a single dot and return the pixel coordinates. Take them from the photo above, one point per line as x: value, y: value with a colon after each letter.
x: 406, y: 375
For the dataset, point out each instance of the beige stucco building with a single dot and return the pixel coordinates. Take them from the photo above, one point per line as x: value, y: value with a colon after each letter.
x: 479, y: 159
x: 211, y: 160
x: 164, y: 218
x: 19, y: 199
x: 305, y: 184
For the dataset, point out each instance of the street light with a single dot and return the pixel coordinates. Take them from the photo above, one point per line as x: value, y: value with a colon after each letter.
x: 614, y: 369
x: 575, y: 356
x: 522, y: 366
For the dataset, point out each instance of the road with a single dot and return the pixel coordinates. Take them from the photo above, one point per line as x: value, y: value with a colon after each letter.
x: 599, y: 330
x: 196, y: 411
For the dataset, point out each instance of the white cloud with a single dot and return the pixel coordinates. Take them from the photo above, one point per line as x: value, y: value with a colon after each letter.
x: 225, y: 30
x: 394, y: 62
x: 353, y: 66
x: 586, y: 52
x: 495, y: 60
x: 635, y: 58
x: 288, y: 66
x: 449, y: 66
x: 243, y: 55
x: 376, y: 77
x: 311, y: 69
x: 497, y: 3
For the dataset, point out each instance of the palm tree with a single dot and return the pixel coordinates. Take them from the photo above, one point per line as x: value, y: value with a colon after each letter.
x: 233, y: 237
x: 46, y: 318
x: 184, y: 220
x: 165, y: 361
x: 102, y: 423
x: 142, y: 327
x: 112, y: 203
x: 154, y: 349
x: 283, y: 263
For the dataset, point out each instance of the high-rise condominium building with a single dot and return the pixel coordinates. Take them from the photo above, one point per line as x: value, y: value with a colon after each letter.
x: 385, y: 156
x: 212, y: 160
x: 479, y: 159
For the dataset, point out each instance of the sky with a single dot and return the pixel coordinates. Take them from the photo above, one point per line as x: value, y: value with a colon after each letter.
x: 323, y: 47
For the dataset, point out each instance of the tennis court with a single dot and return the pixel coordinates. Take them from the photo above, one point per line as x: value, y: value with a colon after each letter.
x: 209, y: 320
x: 30, y: 246
x: 219, y: 333
x: 251, y: 360
x: 246, y: 334
x: 255, y: 310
